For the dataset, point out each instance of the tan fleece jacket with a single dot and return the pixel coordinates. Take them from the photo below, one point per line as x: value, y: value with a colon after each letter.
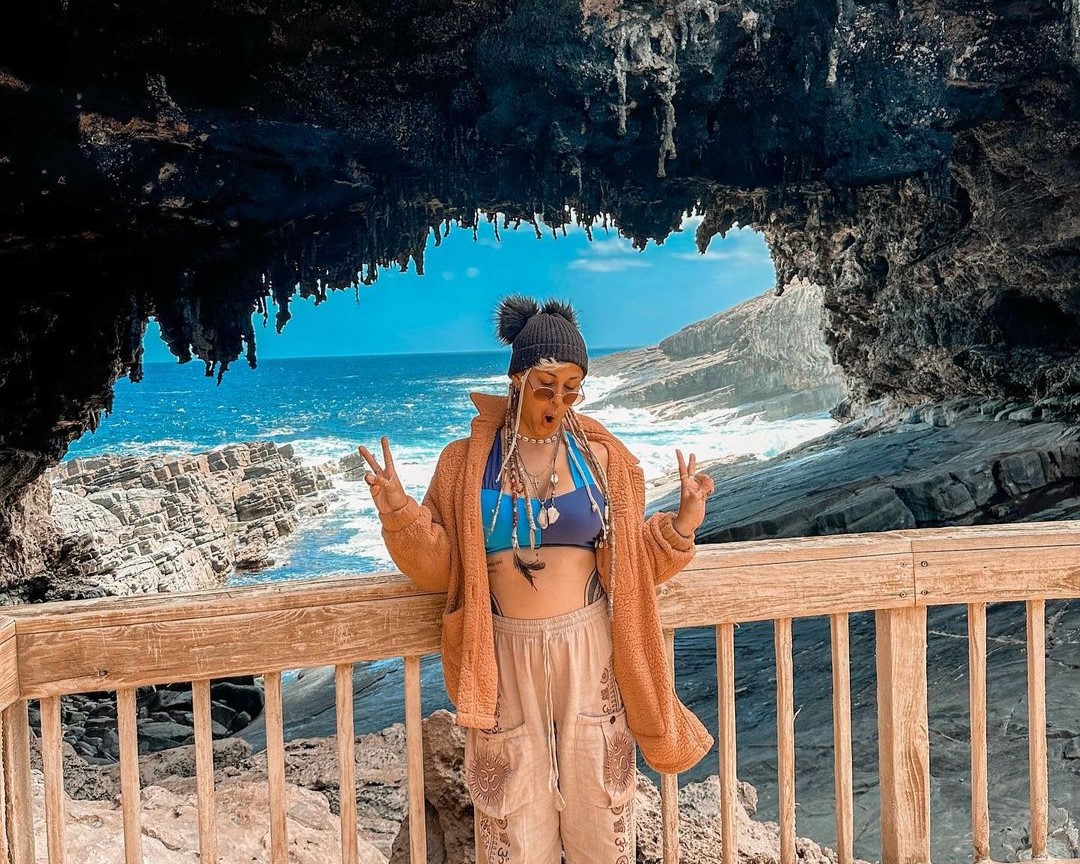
x: 440, y: 545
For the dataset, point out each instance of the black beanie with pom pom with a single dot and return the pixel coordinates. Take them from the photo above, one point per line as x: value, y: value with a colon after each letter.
x: 536, y: 332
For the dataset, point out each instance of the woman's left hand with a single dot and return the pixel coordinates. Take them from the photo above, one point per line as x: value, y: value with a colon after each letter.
x: 694, y: 488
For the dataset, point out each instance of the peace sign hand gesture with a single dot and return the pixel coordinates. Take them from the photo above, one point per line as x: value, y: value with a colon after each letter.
x: 694, y: 488
x: 386, y: 489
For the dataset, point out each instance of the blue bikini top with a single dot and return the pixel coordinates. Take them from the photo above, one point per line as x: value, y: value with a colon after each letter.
x: 578, y: 524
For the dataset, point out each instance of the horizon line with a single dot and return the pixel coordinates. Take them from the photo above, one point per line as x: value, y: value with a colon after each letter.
x: 380, y: 354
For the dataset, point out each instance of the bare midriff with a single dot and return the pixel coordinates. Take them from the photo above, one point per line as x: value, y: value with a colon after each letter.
x: 568, y: 581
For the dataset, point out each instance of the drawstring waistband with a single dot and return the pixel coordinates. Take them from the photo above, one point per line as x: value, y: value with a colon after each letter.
x: 544, y: 628
x: 553, y: 763
x: 552, y: 625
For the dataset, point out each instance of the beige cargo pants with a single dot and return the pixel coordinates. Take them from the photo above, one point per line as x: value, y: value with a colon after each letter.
x: 557, y: 774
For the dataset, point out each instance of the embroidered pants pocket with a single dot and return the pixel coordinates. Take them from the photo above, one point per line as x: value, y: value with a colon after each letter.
x: 605, y: 759
x: 500, y: 770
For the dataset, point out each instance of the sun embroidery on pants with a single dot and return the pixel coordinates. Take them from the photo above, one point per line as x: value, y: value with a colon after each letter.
x: 486, y: 776
x: 619, y: 763
x: 494, y: 838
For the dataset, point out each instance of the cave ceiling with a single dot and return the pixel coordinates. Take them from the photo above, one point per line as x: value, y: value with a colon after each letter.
x: 201, y: 162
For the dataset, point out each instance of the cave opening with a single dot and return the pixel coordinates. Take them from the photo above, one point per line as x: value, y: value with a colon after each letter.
x: 349, y: 366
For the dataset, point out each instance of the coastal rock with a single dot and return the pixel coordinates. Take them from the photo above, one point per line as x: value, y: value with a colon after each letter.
x: 766, y: 356
x: 94, y: 829
x: 132, y: 525
x: 29, y: 543
x: 893, y: 471
x: 310, y: 763
x: 164, y: 717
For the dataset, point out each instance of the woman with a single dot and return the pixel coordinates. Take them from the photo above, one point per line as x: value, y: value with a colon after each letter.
x: 552, y: 648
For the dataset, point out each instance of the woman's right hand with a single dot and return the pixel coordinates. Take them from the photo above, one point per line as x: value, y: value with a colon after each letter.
x: 386, y: 489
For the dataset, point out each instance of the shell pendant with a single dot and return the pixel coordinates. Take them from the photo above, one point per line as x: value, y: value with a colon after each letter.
x: 548, y: 516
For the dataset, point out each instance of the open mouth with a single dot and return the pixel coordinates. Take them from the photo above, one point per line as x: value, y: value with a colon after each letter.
x: 549, y: 419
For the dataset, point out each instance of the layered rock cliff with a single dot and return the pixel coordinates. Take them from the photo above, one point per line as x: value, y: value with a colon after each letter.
x: 918, y: 161
x: 765, y: 357
x: 131, y: 525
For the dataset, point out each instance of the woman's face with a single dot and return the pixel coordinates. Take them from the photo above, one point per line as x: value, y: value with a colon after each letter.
x: 539, y: 415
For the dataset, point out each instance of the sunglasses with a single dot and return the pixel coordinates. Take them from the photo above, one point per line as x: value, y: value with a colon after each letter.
x: 569, y: 398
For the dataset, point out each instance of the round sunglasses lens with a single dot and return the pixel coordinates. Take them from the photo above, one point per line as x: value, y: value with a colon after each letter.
x: 544, y: 393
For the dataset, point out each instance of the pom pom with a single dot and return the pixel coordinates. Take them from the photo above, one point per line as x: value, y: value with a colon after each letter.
x: 511, y: 315
x: 561, y: 308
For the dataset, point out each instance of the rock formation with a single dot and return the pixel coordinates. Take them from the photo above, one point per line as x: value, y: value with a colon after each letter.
x: 164, y: 717
x: 122, y: 525
x: 134, y: 525
x: 765, y: 357
x: 955, y: 463
x: 919, y: 162
x: 94, y: 830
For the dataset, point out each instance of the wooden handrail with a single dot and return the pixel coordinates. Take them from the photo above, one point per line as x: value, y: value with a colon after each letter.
x: 50, y: 650
x: 9, y: 663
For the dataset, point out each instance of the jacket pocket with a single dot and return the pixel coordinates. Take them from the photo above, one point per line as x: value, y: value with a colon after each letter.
x: 605, y: 759
x: 499, y: 770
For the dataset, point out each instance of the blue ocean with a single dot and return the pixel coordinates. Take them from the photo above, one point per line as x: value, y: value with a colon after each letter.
x: 327, y: 406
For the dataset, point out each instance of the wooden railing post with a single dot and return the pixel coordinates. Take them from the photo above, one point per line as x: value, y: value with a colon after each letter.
x: 903, y: 737
x: 18, y: 814
x: 669, y: 783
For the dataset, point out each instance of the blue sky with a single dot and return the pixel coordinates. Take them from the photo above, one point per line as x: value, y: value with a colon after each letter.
x: 623, y: 297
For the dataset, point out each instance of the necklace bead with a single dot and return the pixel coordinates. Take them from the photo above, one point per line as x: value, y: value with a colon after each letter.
x: 550, y: 440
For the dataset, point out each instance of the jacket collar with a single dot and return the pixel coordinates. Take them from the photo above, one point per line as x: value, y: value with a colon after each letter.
x: 489, y: 405
x: 491, y: 411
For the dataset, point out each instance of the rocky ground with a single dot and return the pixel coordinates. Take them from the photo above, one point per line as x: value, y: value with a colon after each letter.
x: 164, y: 717
x: 169, y: 825
x: 951, y: 463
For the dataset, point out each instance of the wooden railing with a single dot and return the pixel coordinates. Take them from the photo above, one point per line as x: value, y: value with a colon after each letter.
x: 50, y: 650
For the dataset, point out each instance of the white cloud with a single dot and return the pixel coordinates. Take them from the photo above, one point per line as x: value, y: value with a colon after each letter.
x: 472, y: 272
x: 448, y: 275
x: 607, y: 265
x: 610, y: 246
x: 609, y: 255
